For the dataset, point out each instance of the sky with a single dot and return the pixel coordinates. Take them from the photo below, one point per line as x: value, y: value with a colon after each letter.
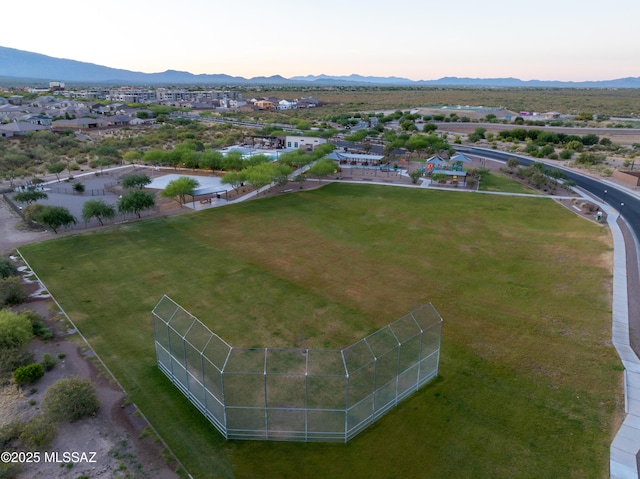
x: 567, y: 40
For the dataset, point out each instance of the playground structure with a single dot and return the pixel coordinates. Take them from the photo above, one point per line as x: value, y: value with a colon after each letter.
x: 296, y: 394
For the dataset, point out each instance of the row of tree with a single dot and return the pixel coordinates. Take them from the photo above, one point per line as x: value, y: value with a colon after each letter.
x: 264, y: 171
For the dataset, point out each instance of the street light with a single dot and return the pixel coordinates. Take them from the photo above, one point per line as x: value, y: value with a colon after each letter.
x: 604, y: 198
x: 621, y: 206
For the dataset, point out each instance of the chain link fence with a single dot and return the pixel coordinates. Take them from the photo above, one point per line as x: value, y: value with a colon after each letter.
x: 296, y: 394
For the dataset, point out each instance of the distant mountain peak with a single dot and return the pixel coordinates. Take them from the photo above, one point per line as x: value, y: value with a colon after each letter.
x: 21, y: 64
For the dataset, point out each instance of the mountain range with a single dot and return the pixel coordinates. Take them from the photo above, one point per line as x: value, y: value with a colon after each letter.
x: 21, y: 67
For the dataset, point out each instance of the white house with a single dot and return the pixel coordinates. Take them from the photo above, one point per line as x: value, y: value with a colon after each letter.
x: 305, y: 142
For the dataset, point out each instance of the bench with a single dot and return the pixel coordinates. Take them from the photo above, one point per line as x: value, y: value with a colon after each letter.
x: 288, y: 191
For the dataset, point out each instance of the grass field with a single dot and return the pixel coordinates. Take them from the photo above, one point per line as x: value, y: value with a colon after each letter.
x: 529, y: 384
x: 493, y: 181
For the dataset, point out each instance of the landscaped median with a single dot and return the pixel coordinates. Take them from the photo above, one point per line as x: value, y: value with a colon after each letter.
x: 529, y: 384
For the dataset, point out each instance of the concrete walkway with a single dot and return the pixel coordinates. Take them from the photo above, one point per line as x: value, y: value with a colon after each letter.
x: 623, y: 463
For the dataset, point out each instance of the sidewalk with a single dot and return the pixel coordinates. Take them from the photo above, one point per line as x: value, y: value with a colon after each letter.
x: 623, y: 463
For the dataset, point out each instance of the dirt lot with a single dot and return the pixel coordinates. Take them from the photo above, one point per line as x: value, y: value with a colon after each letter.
x: 620, y: 136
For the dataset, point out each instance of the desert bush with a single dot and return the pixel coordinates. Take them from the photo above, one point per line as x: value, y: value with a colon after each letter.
x: 38, y: 433
x: 48, y: 362
x: 7, y: 268
x: 28, y: 374
x: 9, y: 433
x: 13, y: 358
x: 31, y: 212
x: 9, y: 470
x: 38, y: 327
x: 12, y: 291
x: 590, y: 159
x: 15, y: 329
x: 71, y: 399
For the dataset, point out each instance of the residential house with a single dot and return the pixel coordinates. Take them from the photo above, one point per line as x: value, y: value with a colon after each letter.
x: 37, y: 119
x: 287, y: 105
x: 264, y: 105
x: 307, y: 102
x: 84, y: 123
x: 19, y: 128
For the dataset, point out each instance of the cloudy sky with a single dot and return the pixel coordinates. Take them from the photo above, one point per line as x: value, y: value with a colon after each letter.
x: 569, y: 40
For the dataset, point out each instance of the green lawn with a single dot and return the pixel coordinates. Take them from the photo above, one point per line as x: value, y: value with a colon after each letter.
x: 529, y: 383
x: 493, y: 181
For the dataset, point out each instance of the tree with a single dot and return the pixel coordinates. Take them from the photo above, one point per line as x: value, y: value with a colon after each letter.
x: 155, y: 157
x: 323, y: 167
x: 265, y: 173
x: 211, y: 160
x: 300, y: 179
x: 234, y: 178
x: 70, y: 399
x: 132, y: 156
x: 54, y: 217
x: 30, y: 196
x: 295, y: 158
x: 180, y: 187
x: 98, y: 209
x: 15, y: 329
x: 415, y: 176
x: 136, y: 201
x: 56, y: 169
x: 233, y: 161
x: 137, y: 180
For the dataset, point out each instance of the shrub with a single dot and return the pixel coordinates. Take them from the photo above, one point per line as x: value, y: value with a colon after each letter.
x: 48, y: 362
x: 590, y: 159
x: 7, y: 268
x: 12, y: 291
x: 566, y: 154
x: 13, y: 358
x: 40, y: 330
x: 28, y: 374
x: 38, y: 432
x: 71, y: 399
x: 15, y: 329
x: 9, y: 433
x: 31, y: 212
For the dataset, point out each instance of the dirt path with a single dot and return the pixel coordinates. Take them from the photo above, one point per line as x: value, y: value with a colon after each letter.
x: 116, y: 440
x: 12, y: 232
